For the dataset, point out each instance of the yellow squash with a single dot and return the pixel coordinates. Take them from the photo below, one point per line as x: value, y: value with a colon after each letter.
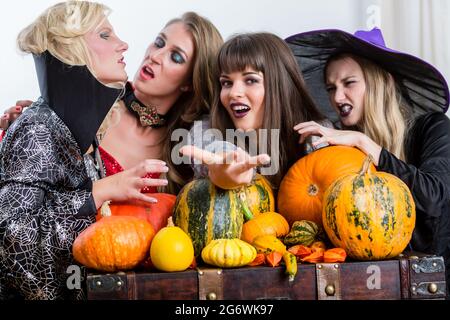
x: 228, y: 253
x: 268, y: 243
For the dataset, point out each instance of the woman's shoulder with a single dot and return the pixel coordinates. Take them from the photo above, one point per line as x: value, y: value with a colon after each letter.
x: 430, y: 130
x: 39, y: 123
x: 432, y: 121
x: 38, y: 116
x: 432, y: 117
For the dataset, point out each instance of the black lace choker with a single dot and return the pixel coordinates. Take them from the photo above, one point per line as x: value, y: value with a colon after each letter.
x: 147, y: 115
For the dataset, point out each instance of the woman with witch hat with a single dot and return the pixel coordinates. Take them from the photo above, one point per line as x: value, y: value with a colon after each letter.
x: 392, y: 106
x: 46, y: 195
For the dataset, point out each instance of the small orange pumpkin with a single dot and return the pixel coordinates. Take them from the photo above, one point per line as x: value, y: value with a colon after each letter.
x: 301, y: 191
x: 269, y: 223
x: 114, y: 243
x: 155, y: 213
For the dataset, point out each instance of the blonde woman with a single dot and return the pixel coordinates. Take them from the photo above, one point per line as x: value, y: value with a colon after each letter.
x: 46, y: 195
x: 173, y: 87
x: 392, y: 106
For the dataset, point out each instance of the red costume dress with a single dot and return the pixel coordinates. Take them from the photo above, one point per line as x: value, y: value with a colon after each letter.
x: 112, y: 167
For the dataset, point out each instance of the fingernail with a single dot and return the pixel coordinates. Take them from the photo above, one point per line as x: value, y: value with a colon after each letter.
x: 154, y: 201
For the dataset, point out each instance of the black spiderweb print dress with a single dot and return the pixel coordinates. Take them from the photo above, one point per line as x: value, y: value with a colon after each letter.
x: 45, y: 202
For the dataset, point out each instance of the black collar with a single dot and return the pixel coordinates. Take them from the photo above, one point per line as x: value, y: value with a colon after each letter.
x: 76, y: 96
x: 148, y: 116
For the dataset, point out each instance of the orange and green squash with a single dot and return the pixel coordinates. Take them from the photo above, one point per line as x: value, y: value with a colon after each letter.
x: 302, y: 232
x: 371, y: 215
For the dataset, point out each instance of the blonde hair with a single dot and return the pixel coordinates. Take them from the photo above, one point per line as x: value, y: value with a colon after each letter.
x: 60, y: 30
x: 385, y: 118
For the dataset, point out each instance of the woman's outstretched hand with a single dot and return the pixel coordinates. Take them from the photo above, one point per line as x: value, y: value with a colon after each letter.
x: 127, y: 185
x: 227, y: 170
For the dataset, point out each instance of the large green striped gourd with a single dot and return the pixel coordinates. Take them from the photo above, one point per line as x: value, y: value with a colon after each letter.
x: 207, y: 213
x: 370, y: 215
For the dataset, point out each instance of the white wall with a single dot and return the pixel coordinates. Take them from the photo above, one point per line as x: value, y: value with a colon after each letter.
x: 139, y: 21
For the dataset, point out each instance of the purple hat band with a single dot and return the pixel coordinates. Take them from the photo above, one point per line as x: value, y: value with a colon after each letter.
x: 374, y: 36
x: 423, y: 87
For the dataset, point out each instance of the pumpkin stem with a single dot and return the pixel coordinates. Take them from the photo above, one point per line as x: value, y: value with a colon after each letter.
x: 170, y: 222
x: 105, y: 210
x: 247, y: 213
x: 366, y: 166
x: 313, y: 190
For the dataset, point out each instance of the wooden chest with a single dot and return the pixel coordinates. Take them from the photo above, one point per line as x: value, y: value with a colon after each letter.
x: 412, y: 276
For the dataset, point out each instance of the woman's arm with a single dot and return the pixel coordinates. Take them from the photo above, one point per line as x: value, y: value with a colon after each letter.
x: 429, y: 177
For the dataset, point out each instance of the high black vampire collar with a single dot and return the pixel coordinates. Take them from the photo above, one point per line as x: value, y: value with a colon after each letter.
x: 76, y: 96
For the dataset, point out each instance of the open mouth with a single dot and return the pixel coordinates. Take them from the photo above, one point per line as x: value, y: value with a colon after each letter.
x: 345, y: 110
x: 240, y: 110
x: 147, y: 73
x: 122, y: 61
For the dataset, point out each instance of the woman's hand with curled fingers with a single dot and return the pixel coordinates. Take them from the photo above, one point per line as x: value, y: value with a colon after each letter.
x: 338, y: 137
x: 227, y: 170
x: 11, y: 114
x: 327, y: 135
x: 127, y: 185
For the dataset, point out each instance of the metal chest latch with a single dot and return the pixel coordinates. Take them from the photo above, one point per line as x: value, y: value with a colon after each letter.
x: 210, y: 284
x: 422, y: 283
x: 328, y: 281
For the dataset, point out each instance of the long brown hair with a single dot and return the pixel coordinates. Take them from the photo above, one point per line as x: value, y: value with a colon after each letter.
x: 191, y: 105
x: 287, y: 101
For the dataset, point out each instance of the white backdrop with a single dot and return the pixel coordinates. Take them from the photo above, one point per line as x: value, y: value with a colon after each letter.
x: 139, y: 21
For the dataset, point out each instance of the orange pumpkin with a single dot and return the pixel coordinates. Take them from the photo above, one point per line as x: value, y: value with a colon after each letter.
x: 371, y: 215
x: 155, y: 213
x: 269, y: 223
x: 300, y: 196
x: 114, y: 243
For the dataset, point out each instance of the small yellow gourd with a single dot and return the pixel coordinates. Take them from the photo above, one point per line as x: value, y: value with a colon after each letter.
x: 228, y: 253
x: 171, y: 250
x: 268, y: 243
